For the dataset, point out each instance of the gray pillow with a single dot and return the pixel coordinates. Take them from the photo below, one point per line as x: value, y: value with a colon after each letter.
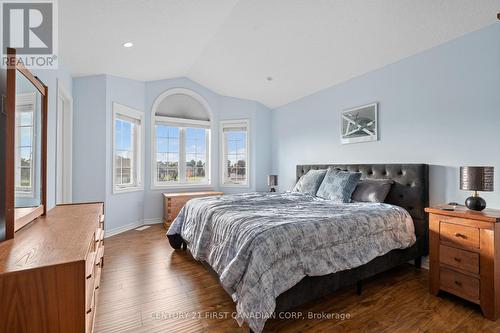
x: 338, y: 185
x: 310, y: 182
x: 372, y: 190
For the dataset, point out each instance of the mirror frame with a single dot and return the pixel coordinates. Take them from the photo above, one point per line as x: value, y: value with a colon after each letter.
x: 16, y: 218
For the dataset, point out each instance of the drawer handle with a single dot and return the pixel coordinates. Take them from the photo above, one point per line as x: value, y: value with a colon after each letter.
x: 89, y: 310
x: 459, y: 235
x: 458, y: 283
x: 89, y: 276
x: 457, y: 259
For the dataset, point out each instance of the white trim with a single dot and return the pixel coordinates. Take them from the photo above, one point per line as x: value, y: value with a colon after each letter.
x: 123, y: 110
x: 222, y: 150
x: 180, y: 122
x: 193, y: 187
x: 64, y: 146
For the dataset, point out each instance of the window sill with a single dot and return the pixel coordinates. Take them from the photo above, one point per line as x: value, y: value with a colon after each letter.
x: 236, y: 185
x: 127, y: 190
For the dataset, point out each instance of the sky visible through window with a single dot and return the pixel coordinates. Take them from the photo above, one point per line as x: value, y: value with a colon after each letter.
x: 236, y: 156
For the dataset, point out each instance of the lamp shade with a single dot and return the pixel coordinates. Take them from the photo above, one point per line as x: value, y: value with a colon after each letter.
x: 476, y: 178
x: 272, y: 180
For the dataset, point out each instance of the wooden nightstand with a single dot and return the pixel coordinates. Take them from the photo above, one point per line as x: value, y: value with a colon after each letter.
x: 173, y: 203
x: 464, y: 255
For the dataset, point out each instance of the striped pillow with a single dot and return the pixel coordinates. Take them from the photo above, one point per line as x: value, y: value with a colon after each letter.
x: 338, y: 185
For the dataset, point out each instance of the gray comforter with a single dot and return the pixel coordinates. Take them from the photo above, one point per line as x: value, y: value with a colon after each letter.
x: 263, y: 244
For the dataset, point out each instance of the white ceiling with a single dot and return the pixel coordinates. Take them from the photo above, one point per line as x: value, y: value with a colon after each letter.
x: 232, y: 46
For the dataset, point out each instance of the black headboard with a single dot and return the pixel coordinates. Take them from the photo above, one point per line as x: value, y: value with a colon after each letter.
x: 410, y: 189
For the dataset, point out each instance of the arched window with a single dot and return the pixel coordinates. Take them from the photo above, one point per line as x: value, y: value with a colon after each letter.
x: 181, y: 121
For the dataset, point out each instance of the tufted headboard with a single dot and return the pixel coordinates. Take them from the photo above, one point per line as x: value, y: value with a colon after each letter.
x: 410, y: 189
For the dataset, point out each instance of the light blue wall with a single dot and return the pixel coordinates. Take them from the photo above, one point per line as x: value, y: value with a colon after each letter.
x: 223, y: 108
x: 89, y: 138
x: 121, y: 208
x: 93, y: 98
x: 440, y: 107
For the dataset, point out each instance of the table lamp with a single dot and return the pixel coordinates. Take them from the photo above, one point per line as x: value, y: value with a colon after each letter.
x: 272, y: 182
x: 476, y: 178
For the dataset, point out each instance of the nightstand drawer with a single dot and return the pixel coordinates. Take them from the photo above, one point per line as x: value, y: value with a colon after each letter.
x: 468, y: 261
x: 460, y: 284
x: 459, y: 235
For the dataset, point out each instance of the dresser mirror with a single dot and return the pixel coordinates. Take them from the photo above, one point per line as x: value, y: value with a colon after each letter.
x: 26, y: 144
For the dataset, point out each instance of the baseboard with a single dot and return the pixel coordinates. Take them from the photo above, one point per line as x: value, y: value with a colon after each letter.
x: 154, y: 220
x: 130, y: 226
x: 123, y: 228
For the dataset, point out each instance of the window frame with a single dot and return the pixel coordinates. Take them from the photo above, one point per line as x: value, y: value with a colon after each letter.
x: 181, y: 124
x: 223, y: 147
x: 184, y: 185
x: 25, y: 99
x: 124, y: 111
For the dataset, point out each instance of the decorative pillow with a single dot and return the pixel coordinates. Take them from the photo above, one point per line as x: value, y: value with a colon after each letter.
x: 310, y: 182
x: 372, y: 190
x: 338, y: 185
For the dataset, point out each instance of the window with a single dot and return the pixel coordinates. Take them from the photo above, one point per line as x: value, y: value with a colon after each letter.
x: 235, y: 161
x: 181, y: 140
x: 25, y: 144
x: 127, y: 148
x: 182, y: 152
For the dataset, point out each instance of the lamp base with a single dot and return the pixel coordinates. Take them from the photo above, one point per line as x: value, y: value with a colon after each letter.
x: 475, y: 203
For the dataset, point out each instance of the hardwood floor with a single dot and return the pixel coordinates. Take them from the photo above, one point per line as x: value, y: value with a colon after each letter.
x: 147, y: 287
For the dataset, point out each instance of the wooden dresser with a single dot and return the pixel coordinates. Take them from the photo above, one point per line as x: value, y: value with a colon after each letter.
x: 464, y: 255
x: 173, y: 203
x: 50, y: 271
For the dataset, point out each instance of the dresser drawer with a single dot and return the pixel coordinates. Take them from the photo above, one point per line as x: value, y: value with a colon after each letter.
x: 466, y: 260
x: 89, y: 294
x: 459, y: 284
x: 459, y: 235
x: 90, y: 315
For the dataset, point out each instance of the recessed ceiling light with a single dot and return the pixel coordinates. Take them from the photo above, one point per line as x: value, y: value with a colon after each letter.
x: 128, y: 44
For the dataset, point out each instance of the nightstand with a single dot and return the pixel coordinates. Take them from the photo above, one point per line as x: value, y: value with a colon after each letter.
x: 464, y: 255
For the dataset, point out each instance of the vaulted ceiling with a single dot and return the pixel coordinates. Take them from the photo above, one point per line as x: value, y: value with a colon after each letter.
x: 272, y: 51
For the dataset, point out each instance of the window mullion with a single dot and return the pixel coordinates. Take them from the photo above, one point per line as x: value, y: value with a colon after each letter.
x: 126, y: 158
x: 207, y: 155
x: 182, y: 154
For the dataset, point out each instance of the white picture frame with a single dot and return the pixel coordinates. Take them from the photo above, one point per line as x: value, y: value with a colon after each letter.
x: 359, y: 124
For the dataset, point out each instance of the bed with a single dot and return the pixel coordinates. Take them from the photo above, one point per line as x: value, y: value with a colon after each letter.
x: 250, y: 239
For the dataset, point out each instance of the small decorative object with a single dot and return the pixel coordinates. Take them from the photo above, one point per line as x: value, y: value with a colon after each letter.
x: 476, y: 178
x: 359, y: 124
x: 272, y: 182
